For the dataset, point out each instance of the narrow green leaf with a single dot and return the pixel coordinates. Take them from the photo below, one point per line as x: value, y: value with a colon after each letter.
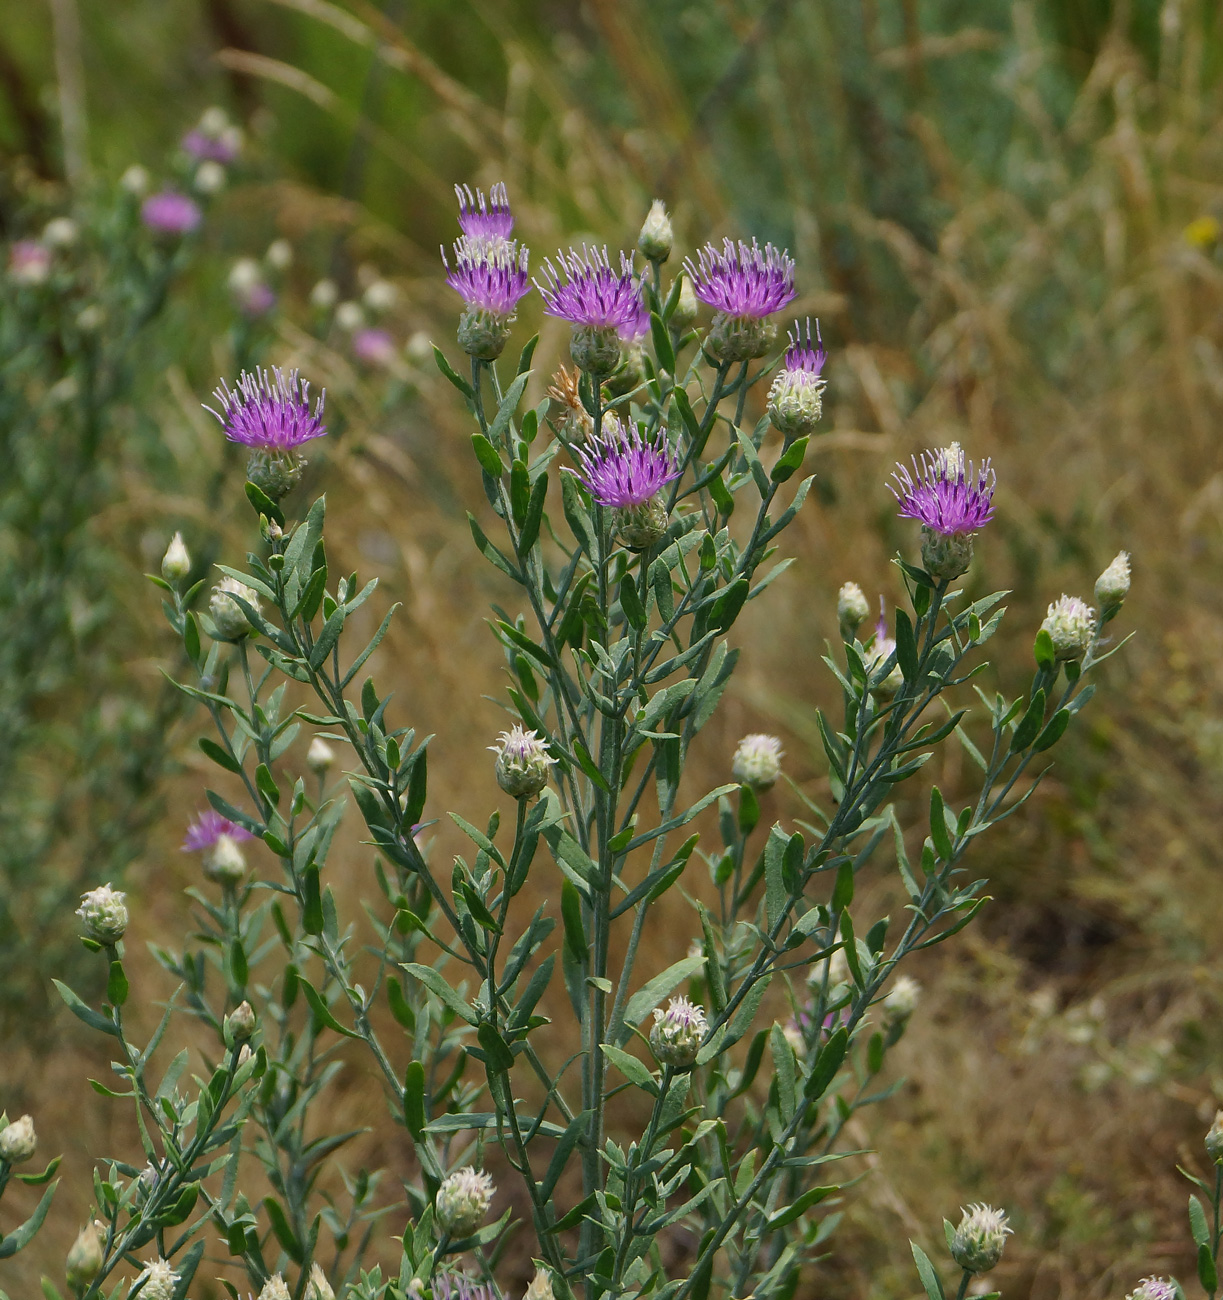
x: 445, y: 367
x: 264, y: 505
x: 925, y: 1270
x: 1053, y: 732
x: 218, y: 755
x: 116, y: 985
x: 938, y: 826
x: 414, y: 1099
x: 906, y: 646
x: 486, y: 454
x: 634, y: 1070
x: 22, y: 1235
x: 322, y: 1012
x: 790, y: 460
x: 663, y: 349
x: 94, y: 1019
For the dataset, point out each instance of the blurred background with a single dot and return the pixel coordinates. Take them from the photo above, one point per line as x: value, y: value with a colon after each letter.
x: 1006, y: 217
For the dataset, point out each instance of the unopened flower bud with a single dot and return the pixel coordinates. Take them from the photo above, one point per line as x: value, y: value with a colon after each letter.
x: 463, y: 1200
x: 678, y: 1032
x: 176, y: 563
x: 210, y: 177
x: 224, y: 862
x: 320, y: 757
x: 739, y: 338
x: 244, y: 1054
x: 1070, y: 624
x: 541, y: 1286
x: 60, y: 232
x: 483, y: 334
x: 85, y: 1258
x: 318, y: 1288
x: 684, y: 312
x: 240, y: 1023
x: 135, y: 180
x: 757, y: 761
x: 883, y: 685
x: 1214, y: 1139
x: 380, y: 295
x: 640, y: 527
x: 324, y: 295
x: 17, y: 1141
x: 523, y: 762
x: 1113, y: 585
x: 946, y: 555
x: 595, y: 349
x: 349, y: 316
x: 228, y: 616
x: 275, y: 1288
x: 656, y: 236
x: 279, y: 255
x: 159, y: 1281
x: 104, y: 914
x: 977, y: 1244
x: 901, y: 1001
x: 852, y: 610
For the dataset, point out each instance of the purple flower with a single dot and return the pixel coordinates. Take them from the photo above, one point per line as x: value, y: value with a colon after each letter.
x: 743, y: 281
x: 802, y: 356
x: 479, y: 220
x: 796, y: 398
x: 269, y: 412
x: 29, y: 261
x: 373, y: 347
x: 208, y: 827
x: 621, y: 469
x: 215, y: 148
x: 945, y: 492
x: 169, y: 213
x: 589, y: 294
x: 458, y: 1286
x: 491, y: 278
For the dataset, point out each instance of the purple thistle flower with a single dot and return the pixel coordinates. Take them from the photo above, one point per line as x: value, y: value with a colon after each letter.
x: 269, y: 412
x: 458, y: 1286
x: 479, y: 220
x: 621, y: 469
x: 945, y: 492
x: 374, y: 347
x: 169, y: 213
x: 489, y: 276
x: 214, y: 148
x: 208, y: 827
x: 796, y: 398
x: 589, y: 294
x: 744, y: 281
x: 802, y: 356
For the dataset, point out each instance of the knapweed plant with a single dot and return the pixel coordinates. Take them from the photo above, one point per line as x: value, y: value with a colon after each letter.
x: 673, y: 1133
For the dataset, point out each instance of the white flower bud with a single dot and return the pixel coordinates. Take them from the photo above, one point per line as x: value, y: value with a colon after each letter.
x: 463, y: 1200
x: 91, y: 319
x: 244, y: 1054
x: 678, y: 1032
x: 135, y: 180
x: 176, y: 563
x: 656, y: 236
x: 901, y: 1001
x: 978, y: 1241
x: 279, y: 255
x: 210, y: 177
x: 853, y: 610
x: 244, y: 275
x: 320, y: 757
x: 757, y: 761
x: 1070, y: 624
x: 60, y: 232
x: 159, y: 1281
x: 380, y: 296
x: 1113, y: 585
x: 17, y: 1141
x: 541, y: 1286
x: 324, y: 295
x: 1214, y: 1139
x: 228, y: 616
x: 523, y: 762
x: 349, y: 316
x: 104, y: 914
x: 240, y: 1023
x: 214, y: 120
x: 418, y: 349
x: 85, y: 1258
x: 318, y: 1288
x: 275, y: 1289
x: 224, y: 862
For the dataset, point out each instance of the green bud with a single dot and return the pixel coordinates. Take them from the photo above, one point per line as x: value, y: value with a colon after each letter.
x: 483, y: 334
x: 85, y: 1258
x: 945, y: 556
x: 656, y: 236
x: 275, y: 473
x: 17, y: 1141
x: 639, y: 527
x: 596, y: 351
x: 977, y: 1244
x: 739, y: 338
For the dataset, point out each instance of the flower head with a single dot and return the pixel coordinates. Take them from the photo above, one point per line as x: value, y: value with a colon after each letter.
x: 84, y: 1258
x: 757, y: 761
x: 228, y: 617
x: 463, y: 1200
x: 678, y: 1032
x: 176, y: 563
x: 1070, y: 623
x: 29, y: 262
x: 489, y: 272
x: 1113, y: 585
x: 17, y: 1141
x: 540, y: 1287
x: 275, y: 1288
x: 656, y: 235
x: 852, y: 610
x: 269, y: 412
x: 575, y: 423
x: 104, y: 912
x: 901, y: 1000
x: 1154, y: 1288
x: 978, y: 1241
x: 458, y: 1286
x: 622, y: 468
x: 221, y: 148
x: 603, y: 305
x: 481, y: 219
x: 169, y: 213
x: 882, y: 649
x: 374, y: 347
x: 744, y: 280
x: 208, y: 828
x: 523, y: 762
x: 796, y: 398
x: 159, y: 1280
x: 320, y: 757
x: 945, y: 492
